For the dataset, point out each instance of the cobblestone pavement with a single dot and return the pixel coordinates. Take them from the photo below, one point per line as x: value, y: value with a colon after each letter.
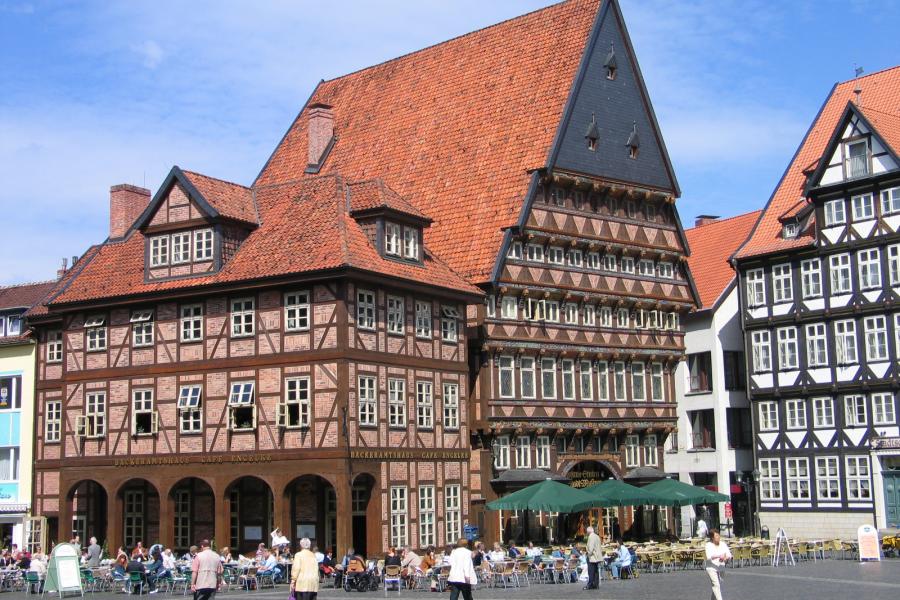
x: 822, y: 580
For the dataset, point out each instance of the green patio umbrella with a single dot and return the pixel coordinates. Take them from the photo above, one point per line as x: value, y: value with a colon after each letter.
x: 615, y: 492
x: 547, y: 496
x: 671, y: 492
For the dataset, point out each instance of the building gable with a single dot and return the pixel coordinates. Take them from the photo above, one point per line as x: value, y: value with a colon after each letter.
x: 609, y: 100
x: 856, y: 150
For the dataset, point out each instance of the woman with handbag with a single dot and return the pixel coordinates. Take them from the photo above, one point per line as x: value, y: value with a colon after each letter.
x: 305, y: 573
x: 717, y: 554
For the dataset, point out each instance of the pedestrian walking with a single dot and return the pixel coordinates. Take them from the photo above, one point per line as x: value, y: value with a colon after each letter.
x: 717, y: 554
x: 462, y: 572
x: 305, y: 573
x: 206, y: 573
x: 594, y: 557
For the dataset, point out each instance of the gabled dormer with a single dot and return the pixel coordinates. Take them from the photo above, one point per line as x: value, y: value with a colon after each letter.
x: 194, y: 225
x: 393, y: 225
x: 855, y: 151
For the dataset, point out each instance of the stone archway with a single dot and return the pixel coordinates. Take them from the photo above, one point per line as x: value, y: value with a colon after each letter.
x: 250, y: 515
x: 140, y: 512
x: 311, y: 502
x: 192, y: 513
x: 89, y: 503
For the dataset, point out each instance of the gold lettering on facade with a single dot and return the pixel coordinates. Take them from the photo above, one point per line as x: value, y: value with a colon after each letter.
x: 184, y: 460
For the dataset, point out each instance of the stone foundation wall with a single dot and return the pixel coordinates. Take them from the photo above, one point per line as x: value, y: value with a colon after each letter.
x: 815, y: 525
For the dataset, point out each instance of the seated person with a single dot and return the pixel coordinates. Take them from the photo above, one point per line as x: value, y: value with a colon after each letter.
x: 392, y: 558
x: 136, y: 566
x: 190, y: 554
x: 24, y: 562
x: 326, y: 565
x: 514, y: 552
x: 497, y: 554
x: 260, y: 553
x: 156, y: 570
x: 478, y: 555
x: 534, y: 553
x: 623, y: 559
x: 270, y: 566
x: 168, y: 558
x: 139, y: 552
x: 225, y: 555
x: 410, y: 562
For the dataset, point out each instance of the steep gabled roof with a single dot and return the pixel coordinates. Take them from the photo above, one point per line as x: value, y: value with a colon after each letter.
x: 456, y: 127
x: 711, y: 246
x: 305, y: 228
x: 879, y: 93
x: 374, y: 194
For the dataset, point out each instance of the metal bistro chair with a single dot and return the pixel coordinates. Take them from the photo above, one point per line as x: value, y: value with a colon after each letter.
x: 33, y: 583
x: 520, y: 569
x: 391, y: 575
x: 248, y: 578
x: 135, y: 579
x: 443, y: 575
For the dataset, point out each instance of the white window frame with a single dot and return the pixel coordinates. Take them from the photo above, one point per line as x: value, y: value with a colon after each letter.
x: 411, y: 243
x: 855, y: 411
x: 796, y: 414
x: 399, y: 515
x: 823, y: 413
x: 626, y: 265
x: 396, y: 402
x: 514, y: 251
x: 501, y: 452
x: 811, y: 278
x: 142, y: 328
x: 651, y: 450
x: 527, y: 382
x: 242, y: 395
x: 297, y: 392
x: 54, y: 346
x: 845, y: 345
x: 875, y: 336
x: 602, y: 381
x: 190, y: 408
x: 841, y: 279
x: 181, y: 248
x: 638, y: 382
x: 296, y: 310
x: 552, y: 311
x: 893, y: 260
x: 191, y: 321
x: 506, y: 376
x: 243, y: 316
x: 395, y: 315
x: 632, y: 451
x: 868, y: 263
x: 890, y: 201
x: 523, y: 452
x: 52, y: 421
x: 797, y: 476
x: 623, y: 318
x: 423, y: 319
x: 835, y: 213
x: 756, y: 287
x: 863, y: 207
x: 449, y: 326
x: 424, y: 405
x: 567, y: 370
x: 426, y: 516
x: 666, y: 270
x: 782, y: 283
x: 858, y: 478
x: 788, y: 357
x: 586, y: 381
x: 366, y: 312
x: 159, y: 251
x: 592, y: 260
x: 542, y: 452
x: 571, y: 313
x: 657, y: 382
x: 605, y: 316
x: 619, y: 391
x: 392, y: 239
x: 816, y: 345
x: 95, y: 331
x: 142, y: 404
x: 609, y: 262
x: 534, y: 253
x: 555, y: 255
x: 883, y: 409
x: 828, y: 478
x: 452, y: 512
x: 367, y: 400
x: 203, y: 244
x: 770, y: 479
x: 768, y: 416
x: 450, y: 402
x: 646, y: 267
x: 95, y: 415
x: 509, y: 307
x: 588, y: 315
x: 761, y: 347
x: 548, y: 378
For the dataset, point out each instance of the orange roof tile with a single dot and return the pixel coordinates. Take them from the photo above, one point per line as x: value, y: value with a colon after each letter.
x: 305, y: 228
x: 229, y: 199
x: 711, y: 246
x: 368, y: 195
x: 24, y: 295
x: 456, y: 127
x: 878, y: 97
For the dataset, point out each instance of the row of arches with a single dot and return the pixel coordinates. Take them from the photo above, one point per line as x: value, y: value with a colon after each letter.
x: 189, y: 510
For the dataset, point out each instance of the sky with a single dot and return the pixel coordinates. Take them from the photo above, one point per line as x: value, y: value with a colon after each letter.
x: 94, y: 94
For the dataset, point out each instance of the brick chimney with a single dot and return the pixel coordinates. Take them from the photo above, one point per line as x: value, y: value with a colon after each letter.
x: 705, y: 220
x: 321, y: 131
x: 126, y: 203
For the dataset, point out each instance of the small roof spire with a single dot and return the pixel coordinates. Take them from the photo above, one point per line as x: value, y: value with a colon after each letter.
x: 593, y: 133
x: 633, y: 139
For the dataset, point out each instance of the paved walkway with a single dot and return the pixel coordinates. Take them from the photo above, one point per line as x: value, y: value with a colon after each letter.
x: 822, y: 580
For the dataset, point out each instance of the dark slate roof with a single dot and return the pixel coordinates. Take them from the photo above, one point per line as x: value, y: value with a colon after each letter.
x: 644, y: 473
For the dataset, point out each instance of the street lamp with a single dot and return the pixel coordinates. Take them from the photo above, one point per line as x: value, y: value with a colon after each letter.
x: 754, y: 485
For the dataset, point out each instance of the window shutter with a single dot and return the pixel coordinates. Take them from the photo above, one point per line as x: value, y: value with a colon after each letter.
x: 154, y: 422
x: 281, y: 414
x: 80, y: 426
x: 253, y: 419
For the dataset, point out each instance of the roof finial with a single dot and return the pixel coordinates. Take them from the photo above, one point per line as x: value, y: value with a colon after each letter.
x: 857, y: 90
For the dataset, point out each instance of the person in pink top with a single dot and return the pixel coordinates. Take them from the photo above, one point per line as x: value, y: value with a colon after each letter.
x: 206, y: 572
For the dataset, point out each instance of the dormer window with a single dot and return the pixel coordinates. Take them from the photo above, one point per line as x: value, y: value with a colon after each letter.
x: 171, y: 249
x: 181, y: 247
x: 790, y: 231
x: 610, y: 63
x: 203, y: 244
x: 593, y: 134
x: 411, y: 243
x: 857, y: 159
x: 392, y: 233
x: 634, y: 142
x: 159, y: 251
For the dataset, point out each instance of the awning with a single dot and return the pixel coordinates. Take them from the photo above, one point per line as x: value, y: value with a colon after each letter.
x: 546, y: 496
x: 614, y: 492
x: 671, y: 492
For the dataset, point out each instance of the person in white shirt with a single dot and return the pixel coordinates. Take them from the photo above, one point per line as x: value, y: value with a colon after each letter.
x: 531, y: 551
x: 462, y: 572
x: 717, y: 554
x: 702, y: 528
x: 168, y: 559
x: 497, y: 554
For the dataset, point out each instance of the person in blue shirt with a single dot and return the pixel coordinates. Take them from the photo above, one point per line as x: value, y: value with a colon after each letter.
x: 623, y: 559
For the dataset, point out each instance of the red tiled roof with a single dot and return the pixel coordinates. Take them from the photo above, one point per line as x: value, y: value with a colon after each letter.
x: 456, y: 127
x: 229, y: 199
x: 879, y: 95
x: 367, y: 195
x: 711, y: 246
x: 24, y: 295
x: 305, y: 228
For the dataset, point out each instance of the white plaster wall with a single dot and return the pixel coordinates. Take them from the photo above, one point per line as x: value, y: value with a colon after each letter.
x: 815, y: 525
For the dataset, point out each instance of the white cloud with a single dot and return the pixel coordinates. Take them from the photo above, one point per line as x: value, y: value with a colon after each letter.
x: 150, y: 52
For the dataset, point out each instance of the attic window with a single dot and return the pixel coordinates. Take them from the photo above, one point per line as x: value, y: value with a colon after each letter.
x: 634, y: 142
x: 790, y: 230
x: 592, y: 134
x: 857, y: 159
x: 610, y: 63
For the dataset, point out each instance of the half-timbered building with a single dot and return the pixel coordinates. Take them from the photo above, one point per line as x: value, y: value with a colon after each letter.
x: 460, y: 270
x: 820, y: 275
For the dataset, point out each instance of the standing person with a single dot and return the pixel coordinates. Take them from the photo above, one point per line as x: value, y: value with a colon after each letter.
x: 305, y: 572
x: 462, y: 572
x: 717, y: 554
x: 206, y: 572
x: 594, y: 556
x: 94, y: 553
x: 702, y: 527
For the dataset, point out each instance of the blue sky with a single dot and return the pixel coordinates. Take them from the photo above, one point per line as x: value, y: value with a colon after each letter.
x: 98, y: 93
